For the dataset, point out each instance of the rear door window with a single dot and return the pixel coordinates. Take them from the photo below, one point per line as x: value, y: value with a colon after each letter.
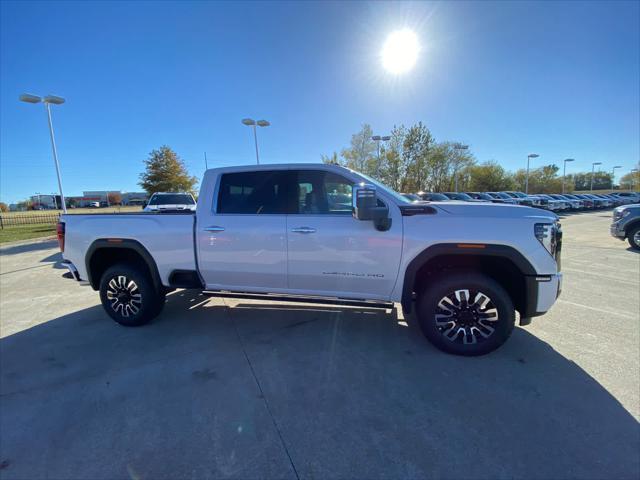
x: 253, y: 193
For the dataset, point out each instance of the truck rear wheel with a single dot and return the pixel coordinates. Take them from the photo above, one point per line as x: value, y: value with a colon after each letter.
x: 129, y: 296
x: 465, y: 313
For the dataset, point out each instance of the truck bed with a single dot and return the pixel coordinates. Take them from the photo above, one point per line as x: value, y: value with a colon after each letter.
x: 167, y: 236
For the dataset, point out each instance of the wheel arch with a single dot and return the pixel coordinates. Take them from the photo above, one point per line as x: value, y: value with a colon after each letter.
x: 105, y: 252
x: 503, y: 263
x: 631, y: 225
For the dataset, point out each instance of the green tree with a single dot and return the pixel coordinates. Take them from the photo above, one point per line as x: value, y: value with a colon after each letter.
x: 582, y: 180
x: 361, y: 155
x: 630, y: 181
x: 415, y: 149
x: 392, y: 168
x: 489, y: 177
x: 541, y: 180
x: 166, y: 172
x: 332, y: 159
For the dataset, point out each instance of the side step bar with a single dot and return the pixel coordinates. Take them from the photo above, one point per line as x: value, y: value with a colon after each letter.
x: 301, y: 299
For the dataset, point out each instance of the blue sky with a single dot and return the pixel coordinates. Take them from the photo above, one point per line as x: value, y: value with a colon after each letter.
x: 557, y: 78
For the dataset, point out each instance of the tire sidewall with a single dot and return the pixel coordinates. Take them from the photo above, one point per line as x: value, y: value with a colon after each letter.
x: 444, y: 284
x: 149, y: 296
x: 630, y: 237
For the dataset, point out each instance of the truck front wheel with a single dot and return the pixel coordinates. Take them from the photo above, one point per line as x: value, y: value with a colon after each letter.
x: 634, y: 237
x: 129, y: 296
x: 465, y: 313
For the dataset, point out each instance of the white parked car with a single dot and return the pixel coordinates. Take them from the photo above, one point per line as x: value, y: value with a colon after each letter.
x: 289, y: 232
x: 165, y: 202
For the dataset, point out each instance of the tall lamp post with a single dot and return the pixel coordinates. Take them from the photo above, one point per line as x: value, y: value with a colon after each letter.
x: 613, y: 175
x: 378, y: 139
x: 49, y: 100
x: 564, y: 170
x: 458, y: 147
x: 55, y: 200
x: 592, y: 172
x: 250, y: 122
x: 526, y: 181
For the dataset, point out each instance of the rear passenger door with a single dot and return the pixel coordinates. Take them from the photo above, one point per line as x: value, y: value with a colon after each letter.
x: 242, y: 238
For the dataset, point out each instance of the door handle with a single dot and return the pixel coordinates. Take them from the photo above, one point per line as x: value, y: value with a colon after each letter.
x: 303, y: 230
x: 214, y: 228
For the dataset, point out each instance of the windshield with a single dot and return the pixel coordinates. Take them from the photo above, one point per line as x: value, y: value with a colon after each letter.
x: 436, y: 197
x: 172, y: 199
x: 461, y: 196
x: 504, y: 195
x: 397, y: 196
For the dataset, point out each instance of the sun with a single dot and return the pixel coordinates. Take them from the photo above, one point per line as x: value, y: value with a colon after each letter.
x: 400, y: 51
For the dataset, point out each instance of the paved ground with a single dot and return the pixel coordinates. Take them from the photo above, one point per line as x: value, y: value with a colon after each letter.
x: 221, y: 388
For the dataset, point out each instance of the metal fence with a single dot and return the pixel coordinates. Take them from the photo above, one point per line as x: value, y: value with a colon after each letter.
x: 13, y: 220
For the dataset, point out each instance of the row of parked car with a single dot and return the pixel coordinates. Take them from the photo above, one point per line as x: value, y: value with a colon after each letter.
x: 554, y: 202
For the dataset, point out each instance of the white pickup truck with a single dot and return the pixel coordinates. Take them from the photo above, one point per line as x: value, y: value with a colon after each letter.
x: 324, y: 233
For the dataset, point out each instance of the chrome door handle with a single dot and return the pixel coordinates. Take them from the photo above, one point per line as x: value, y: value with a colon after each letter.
x: 214, y: 228
x: 303, y: 230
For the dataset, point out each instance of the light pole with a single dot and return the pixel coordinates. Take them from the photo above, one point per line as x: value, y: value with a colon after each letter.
x: 39, y: 201
x: 458, y: 147
x: 613, y: 175
x: 55, y: 200
x: 526, y: 181
x: 564, y: 170
x: 377, y: 139
x: 252, y: 123
x: 636, y: 179
x: 48, y: 100
x: 592, y: 171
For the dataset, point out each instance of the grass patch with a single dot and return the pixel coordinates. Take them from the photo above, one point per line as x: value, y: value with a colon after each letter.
x: 25, y: 232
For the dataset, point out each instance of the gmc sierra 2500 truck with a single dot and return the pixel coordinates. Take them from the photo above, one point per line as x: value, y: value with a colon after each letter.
x: 324, y: 233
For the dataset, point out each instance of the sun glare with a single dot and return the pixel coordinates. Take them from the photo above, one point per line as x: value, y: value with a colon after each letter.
x: 400, y: 51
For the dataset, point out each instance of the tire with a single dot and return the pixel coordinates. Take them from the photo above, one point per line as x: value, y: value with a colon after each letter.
x: 634, y: 237
x: 129, y: 296
x: 459, y: 327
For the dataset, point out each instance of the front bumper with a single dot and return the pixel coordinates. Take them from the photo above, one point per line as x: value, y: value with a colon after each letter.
x: 616, y: 230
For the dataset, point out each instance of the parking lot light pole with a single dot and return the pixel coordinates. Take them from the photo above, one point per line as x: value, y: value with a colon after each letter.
x: 250, y: 122
x: 564, y: 170
x: 613, y: 175
x: 636, y: 178
x: 378, y: 139
x: 48, y: 101
x: 526, y: 181
x: 593, y: 165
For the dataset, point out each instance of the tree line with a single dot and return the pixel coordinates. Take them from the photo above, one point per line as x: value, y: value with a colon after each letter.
x: 412, y: 161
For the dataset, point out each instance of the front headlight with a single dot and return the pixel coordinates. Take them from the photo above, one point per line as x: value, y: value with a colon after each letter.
x: 546, y: 233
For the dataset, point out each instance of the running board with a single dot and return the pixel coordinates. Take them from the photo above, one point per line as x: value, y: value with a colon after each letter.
x: 301, y: 299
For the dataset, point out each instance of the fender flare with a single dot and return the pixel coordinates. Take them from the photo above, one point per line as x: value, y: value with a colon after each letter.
x: 631, y: 225
x: 466, y: 249
x: 122, y: 244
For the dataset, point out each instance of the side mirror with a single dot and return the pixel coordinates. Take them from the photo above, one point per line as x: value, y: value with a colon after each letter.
x: 364, y: 201
x: 365, y: 207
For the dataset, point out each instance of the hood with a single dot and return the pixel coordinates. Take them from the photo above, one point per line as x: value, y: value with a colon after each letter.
x: 493, y: 210
x: 632, y: 206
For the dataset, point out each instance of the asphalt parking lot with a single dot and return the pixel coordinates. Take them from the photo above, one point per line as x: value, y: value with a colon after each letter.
x: 253, y: 389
